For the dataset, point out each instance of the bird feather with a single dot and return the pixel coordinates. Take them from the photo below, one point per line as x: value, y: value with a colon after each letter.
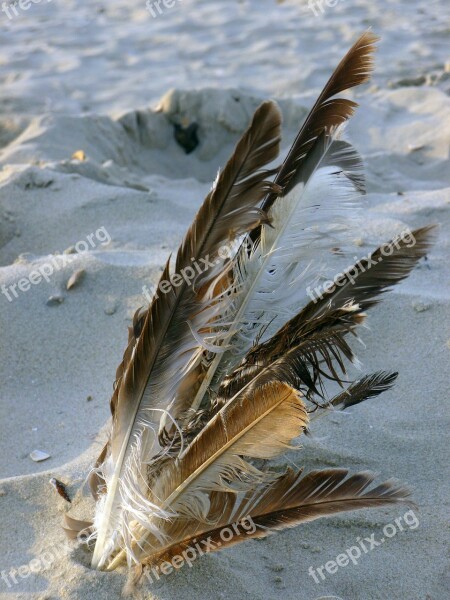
x: 242, y: 347
x: 166, y: 350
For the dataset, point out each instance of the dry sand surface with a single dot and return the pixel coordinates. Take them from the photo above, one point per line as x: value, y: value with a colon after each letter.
x: 90, y: 76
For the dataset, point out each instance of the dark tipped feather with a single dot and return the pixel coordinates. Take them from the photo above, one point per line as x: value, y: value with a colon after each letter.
x: 314, y: 137
x: 303, y: 348
x: 290, y: 501
x: 328, y: 112
x: 264, y: 272
x: 371, y: 277
x: 363, y: 389
x: 327, y: 321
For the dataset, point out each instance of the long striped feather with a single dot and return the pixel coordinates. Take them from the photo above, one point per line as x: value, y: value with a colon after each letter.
x: 168, y: 346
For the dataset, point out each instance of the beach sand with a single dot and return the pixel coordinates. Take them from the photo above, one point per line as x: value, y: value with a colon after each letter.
x: 111, y: 81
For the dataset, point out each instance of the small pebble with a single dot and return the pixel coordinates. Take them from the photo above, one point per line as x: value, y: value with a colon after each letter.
x: 55, y: 300
x: 110, y: 310
x: 137, y: 186
x: 70, y: 250
x: 89, y: 399
x: 316, y: 550
x: 2, y: 493
x: 75, y: 279
x: 79, y: 155
x: 416, y: 148
x: 39, y: 456
x: 358, y: 242
x: 24, y: 258
x: 421, y: 307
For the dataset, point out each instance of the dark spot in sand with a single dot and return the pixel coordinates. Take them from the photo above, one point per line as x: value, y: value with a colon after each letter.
x: 186, y: 137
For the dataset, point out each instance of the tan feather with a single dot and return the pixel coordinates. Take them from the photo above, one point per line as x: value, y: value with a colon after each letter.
x: 259, y: 424
x: 75, y: 528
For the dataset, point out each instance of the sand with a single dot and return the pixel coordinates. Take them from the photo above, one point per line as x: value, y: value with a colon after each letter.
x: 111, y: 80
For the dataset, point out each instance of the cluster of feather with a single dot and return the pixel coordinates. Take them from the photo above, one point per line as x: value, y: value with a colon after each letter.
x: 223, y: 373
